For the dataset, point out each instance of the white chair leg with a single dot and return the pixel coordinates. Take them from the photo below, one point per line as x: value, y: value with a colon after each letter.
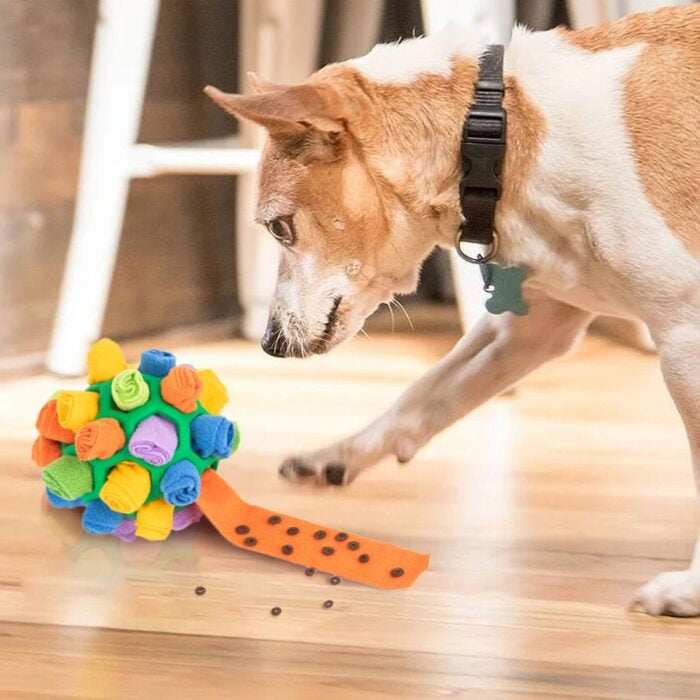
x: 495, y: 20
x: 359, y: 22
x: 584, y: 13
x: 121, y: 57
x: 270, y: 46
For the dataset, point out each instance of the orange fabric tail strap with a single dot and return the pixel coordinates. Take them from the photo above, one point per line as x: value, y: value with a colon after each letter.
x: 277, y: 535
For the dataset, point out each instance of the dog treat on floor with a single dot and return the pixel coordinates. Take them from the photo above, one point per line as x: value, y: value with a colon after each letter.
x: 224, y: 508
x: 140, y: 458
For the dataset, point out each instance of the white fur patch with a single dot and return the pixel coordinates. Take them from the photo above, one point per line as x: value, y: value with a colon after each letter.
x: 404, y: 61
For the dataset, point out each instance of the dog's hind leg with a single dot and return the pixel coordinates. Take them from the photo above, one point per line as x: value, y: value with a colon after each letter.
x: 678, y: 592
x: 494, y: 356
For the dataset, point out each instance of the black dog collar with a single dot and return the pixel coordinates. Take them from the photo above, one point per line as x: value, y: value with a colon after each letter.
x: 482, y: 150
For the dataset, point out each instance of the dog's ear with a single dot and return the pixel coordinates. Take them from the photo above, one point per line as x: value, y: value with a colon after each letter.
x: 260, y: 86
x: 288, y: 112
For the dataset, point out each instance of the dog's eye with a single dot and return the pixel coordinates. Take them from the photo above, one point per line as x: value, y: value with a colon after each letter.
x: 282, y: 230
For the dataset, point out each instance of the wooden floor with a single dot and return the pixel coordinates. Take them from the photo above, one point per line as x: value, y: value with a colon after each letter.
x: 542, y: 512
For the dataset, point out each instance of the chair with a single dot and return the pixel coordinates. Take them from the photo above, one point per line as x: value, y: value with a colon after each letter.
x: 120, y: 64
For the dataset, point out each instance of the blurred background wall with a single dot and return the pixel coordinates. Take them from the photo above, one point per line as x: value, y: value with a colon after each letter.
x: 177, y: 253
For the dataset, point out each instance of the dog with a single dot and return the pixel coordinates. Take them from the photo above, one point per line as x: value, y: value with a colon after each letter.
x: 360, y: 180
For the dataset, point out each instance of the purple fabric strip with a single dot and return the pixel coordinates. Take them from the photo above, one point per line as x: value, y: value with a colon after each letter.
x: 126, y: 530
x: 186, y: 516
x: 154, y: 441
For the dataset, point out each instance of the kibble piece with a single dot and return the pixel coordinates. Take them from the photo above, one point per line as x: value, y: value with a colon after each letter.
x: 310, y: 571
x: 276, y: 611
x: 398, y: 571
x: 327, y: 603
x: 200, y: 590
x: 334, y: 580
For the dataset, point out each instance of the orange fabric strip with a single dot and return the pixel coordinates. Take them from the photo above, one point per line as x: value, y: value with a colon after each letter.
x: 181, y: 388
x: 99, y: 439
x: 350, y: 556
x: 44, y: 451
x: 47, y: 424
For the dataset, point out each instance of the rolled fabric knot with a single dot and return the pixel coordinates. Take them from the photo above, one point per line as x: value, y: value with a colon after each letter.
x: 44, y: 451
x: 129, y: 390
x: 154, y: 441
x: 77, y: 408
x: 104, y: 361
x: 157, y: 363
x: 68, y: 477
x: 154, y: 520
x: 212, y: 436
x: 126, y: 530
x: 57, y: 502
x: 99, y: 519
x: 180, y: 484
x: 47, y: 423
x: 185, y: 517
x: 126, y: 488
x: 181, y: 388
x: 214, y: 394
x: 99, y: 439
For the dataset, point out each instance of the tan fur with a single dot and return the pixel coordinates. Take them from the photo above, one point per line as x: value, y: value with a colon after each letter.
x: 361, y: 166
x: 662, y: 109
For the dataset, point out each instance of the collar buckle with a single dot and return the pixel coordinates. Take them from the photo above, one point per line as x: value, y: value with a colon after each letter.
x: 482, y: 151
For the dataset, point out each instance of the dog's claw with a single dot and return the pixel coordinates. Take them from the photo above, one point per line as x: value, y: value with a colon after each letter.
x: 296, y: 469
x: 335, y: 474
x: 323, y: 472
x: 675, y: 593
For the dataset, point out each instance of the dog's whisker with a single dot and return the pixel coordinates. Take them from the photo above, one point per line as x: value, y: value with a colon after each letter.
x: 391, y: 311
x: 405, y: 313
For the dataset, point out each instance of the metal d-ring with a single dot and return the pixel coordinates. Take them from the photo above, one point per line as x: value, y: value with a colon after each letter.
x: 489, y: 254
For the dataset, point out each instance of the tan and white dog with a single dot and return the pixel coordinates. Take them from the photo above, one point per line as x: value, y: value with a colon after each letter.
x: 601, y: 202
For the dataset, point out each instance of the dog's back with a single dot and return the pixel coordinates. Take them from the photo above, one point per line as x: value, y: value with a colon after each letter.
x: 661, y: 107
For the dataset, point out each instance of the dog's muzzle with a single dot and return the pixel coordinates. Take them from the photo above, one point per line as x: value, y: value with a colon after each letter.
x: 273, y: 341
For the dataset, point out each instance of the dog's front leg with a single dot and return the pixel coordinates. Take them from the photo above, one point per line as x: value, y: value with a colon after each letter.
x: 496, y: 354
x: 678, y: 592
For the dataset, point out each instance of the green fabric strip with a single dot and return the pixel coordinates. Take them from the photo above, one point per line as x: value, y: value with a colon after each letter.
x: 68, y: 477
x: 129, y: 390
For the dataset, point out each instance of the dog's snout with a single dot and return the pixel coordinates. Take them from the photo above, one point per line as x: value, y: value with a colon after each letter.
x: 273, y: 341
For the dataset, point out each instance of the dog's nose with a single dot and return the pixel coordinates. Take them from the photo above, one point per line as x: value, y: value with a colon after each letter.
x: 273, y: 342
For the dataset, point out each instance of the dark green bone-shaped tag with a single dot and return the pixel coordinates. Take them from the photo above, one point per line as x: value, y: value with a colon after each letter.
x: 505, y: 285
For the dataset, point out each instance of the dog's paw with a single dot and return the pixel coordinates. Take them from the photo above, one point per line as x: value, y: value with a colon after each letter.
x: 674, y: 593
x: 315, y: 470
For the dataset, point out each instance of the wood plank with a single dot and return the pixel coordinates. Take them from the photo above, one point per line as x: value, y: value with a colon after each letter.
x: 542, y: 511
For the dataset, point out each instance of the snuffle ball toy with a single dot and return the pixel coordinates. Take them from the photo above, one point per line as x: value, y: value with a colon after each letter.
x: 138, y: 451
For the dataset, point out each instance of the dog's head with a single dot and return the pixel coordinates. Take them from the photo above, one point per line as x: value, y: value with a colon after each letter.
x: 348, y: 240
